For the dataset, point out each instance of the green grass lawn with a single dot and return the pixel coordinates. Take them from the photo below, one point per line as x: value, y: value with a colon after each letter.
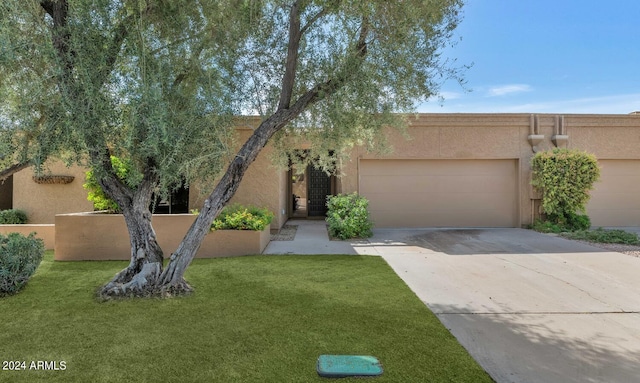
x: 252, y: 319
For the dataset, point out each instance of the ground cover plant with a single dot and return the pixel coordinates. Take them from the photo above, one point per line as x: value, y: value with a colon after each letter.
x: 601, y: 235
x: 253, y: 319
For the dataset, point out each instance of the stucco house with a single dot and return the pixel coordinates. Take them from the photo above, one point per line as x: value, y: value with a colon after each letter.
x: 456, y: 170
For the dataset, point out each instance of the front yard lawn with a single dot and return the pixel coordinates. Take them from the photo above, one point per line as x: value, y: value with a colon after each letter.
x: 252, y: 319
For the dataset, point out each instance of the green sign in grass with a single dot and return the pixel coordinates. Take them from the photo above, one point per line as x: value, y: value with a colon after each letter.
x: 340, y: 366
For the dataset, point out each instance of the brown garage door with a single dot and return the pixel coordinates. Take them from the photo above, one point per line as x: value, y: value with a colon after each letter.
x: 615, y: 200
x: 440, y: 193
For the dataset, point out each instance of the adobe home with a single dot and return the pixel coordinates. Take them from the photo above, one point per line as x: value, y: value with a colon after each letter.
x: 456, y: 170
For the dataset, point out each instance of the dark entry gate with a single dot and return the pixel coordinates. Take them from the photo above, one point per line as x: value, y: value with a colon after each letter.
x: 319, y: 187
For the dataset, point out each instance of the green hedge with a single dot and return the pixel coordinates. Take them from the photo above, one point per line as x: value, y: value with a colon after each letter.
x: 19, y: 259
x: 12, y: 217
x: 348, y: 216
x: 239, y: 217
x: 565, y: 176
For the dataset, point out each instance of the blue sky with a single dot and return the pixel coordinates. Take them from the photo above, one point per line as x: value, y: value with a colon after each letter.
x: 546, y: 56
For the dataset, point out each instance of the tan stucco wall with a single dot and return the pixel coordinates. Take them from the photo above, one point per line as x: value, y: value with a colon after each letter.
x: 46, y: 232
x: 104, y: 237
x: 42, y: 202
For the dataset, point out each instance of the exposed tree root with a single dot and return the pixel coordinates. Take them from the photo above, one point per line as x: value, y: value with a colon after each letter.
x: 144, y: 284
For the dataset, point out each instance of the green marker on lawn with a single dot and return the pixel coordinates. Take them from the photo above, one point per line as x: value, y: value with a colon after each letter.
x: 342, y: 366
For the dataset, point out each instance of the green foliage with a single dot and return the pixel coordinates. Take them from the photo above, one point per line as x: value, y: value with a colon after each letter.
x: 571, y: 222
x: 239, y: 217
x: 12, y: 217
x: 348, y: 216
x: 19, y: 259
x: 601, y: 235
x: 564, y: 176
x: 543, y: 226
x: 122, y: 170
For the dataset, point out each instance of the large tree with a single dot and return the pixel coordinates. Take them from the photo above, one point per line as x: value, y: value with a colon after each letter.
x: 158, y: 82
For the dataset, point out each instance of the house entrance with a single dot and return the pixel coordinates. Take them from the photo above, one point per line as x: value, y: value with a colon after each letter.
x: 309, y: 187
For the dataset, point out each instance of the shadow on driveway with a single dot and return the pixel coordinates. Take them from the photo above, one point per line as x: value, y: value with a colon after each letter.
x: 550, y: 347
x: 476, y: 241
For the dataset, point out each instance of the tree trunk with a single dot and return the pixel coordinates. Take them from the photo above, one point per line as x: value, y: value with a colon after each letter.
x: 140, y: 278
x: 172, y: 278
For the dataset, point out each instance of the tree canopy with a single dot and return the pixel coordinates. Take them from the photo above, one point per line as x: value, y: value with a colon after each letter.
x: 158, y: 82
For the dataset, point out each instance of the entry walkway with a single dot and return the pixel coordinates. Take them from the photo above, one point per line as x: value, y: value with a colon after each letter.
x: 311, y: 238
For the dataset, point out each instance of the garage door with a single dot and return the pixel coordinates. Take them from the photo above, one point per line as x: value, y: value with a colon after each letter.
x: 615, y: 200
x: 440, y: 193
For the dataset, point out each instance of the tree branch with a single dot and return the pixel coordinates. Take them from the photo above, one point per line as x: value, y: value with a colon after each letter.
x: 11, y: 170
x: 288, y: 80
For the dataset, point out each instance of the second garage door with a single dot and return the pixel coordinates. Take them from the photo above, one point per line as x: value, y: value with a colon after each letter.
x: 440, y: 193
x: 615, y: 200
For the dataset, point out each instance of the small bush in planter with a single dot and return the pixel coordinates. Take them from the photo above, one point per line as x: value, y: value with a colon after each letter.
x: 19, y: 259
x: 348, y: 216
x: 239, y: 217
x: 13, y: 217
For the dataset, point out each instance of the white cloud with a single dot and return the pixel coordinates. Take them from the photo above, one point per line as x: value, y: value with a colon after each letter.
x: 503, y: 90
x: 610, y: 104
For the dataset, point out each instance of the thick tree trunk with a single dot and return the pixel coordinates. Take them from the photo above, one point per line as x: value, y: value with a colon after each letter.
x: 140, y: 278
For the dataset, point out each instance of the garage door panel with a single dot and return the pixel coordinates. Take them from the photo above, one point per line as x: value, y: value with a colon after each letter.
x: 440, y: 193
x: 399, y: 184
x: 461, y: 218
x: 473, y: 184
x: 619, y: 167
x: 615, y: 199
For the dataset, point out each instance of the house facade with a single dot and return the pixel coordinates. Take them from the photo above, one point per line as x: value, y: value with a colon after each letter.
x: 453, y: 170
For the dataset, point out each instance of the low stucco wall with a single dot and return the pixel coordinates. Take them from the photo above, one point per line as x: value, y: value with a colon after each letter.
x: 94, y: 236
x: 46, y: 232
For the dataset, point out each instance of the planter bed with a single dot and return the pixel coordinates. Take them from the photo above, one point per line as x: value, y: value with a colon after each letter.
x: 98, y: 236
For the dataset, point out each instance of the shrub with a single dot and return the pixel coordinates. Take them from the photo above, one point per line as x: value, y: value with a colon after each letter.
x: 348, y: 216
x: 13, y: 217
x: 572, y: 222
x: 19, y: 259
x: 601, y: 235
x: 564, y: 177
x: 239, y: 217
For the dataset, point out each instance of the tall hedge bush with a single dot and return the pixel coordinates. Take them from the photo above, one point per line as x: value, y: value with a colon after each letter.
x: 20, y: 256
x: 565, y: 177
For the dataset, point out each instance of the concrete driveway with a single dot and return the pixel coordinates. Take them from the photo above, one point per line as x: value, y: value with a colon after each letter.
x: 529, y: 307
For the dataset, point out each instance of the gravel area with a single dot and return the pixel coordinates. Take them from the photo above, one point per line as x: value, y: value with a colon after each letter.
x: 286, y: 233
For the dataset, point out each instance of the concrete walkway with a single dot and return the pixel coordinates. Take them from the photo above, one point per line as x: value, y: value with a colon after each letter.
x: 528, y: 307
x: 311, y: 238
